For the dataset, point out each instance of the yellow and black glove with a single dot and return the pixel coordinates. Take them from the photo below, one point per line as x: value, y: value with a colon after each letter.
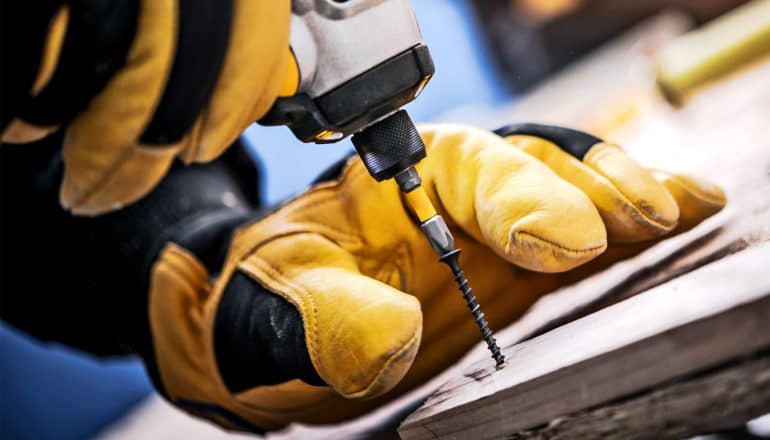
x: 138, y: 83
x: 334, y: 303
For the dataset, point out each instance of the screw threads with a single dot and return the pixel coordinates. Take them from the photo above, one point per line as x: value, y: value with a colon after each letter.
x: 451, y: 259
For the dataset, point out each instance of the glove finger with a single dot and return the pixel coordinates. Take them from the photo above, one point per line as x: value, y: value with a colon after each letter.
x: 632, y: 203
x: 103, y: 169
x: 698, y: 198
x: 362, y: 335
x: 510, y: 201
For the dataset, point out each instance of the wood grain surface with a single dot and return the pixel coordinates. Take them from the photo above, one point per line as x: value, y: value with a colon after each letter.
x: 707, y: 317
x: 726, y: 396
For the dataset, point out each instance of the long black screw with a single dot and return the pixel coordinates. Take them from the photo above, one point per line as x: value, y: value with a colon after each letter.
x: 451, y: 259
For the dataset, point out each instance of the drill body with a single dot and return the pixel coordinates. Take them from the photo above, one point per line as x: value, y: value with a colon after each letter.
x: 359, y: 61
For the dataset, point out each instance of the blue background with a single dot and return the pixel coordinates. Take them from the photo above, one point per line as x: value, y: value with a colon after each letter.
x: 48, y: 391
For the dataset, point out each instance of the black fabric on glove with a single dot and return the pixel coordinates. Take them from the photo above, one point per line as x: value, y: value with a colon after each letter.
x: 84, y: 281
x: 99, y: 35
x: 197, y: 61
x: 574, y: 142
x: 259, y: 338
x: 23, y: 31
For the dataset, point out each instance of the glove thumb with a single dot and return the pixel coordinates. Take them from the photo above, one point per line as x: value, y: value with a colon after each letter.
x: 361, y: 334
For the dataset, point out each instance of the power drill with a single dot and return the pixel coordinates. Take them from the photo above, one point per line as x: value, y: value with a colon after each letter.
x: 359, y: 62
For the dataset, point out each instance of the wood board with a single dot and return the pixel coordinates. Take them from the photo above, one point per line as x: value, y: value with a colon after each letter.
x: 726, y: 396
x: 709, y: 316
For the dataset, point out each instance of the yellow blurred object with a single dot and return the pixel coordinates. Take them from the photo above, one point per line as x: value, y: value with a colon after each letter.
x: 541, y: 10
x: 354, y: 262
x: 714, y: 50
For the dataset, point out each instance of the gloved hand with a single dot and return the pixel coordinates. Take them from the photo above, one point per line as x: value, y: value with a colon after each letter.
x: 139, y: 83
x: 339, y: 287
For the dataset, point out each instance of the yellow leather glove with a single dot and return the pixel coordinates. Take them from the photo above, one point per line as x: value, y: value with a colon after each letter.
x: 380, y: 315
x: 139, y: 83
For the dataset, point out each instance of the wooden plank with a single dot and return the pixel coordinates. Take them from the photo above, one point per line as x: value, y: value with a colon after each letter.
x: 704, y: 318
x: 718, y: 400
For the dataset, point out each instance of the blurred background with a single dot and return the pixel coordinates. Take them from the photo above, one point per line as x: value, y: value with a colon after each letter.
x: 490, y: 56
